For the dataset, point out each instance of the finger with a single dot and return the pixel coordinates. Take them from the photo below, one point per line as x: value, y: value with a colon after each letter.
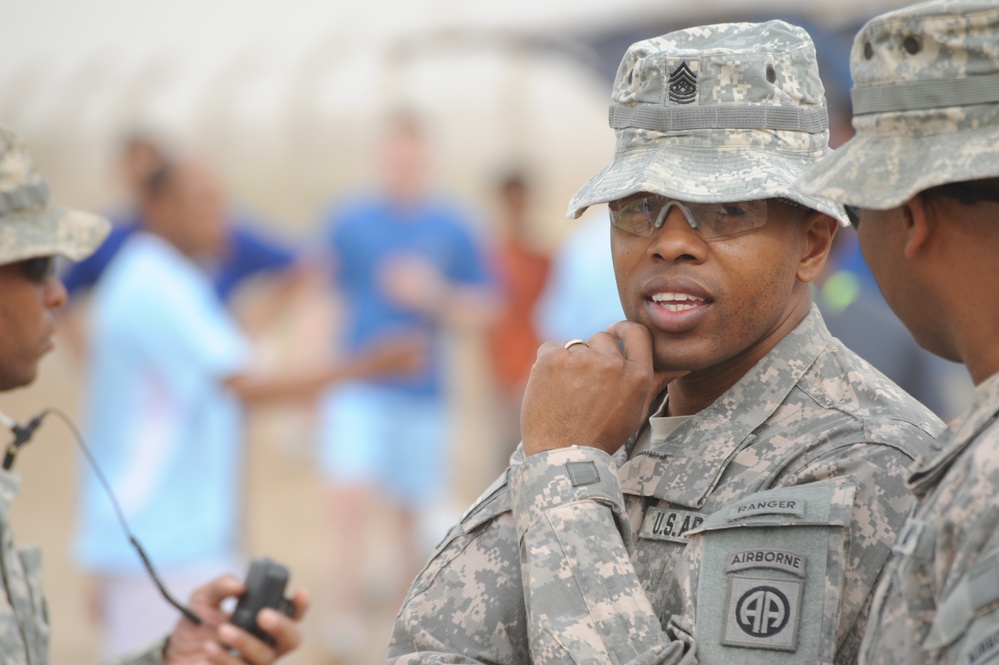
x: 604, y: 342
x: 216, y: 591
x: 548, y: 348
x: 219, y: 655
x: 636, y: 341
x: 252, y: 650
x: 301, y: 601
x: 286, y: 632
x: 661, y: 379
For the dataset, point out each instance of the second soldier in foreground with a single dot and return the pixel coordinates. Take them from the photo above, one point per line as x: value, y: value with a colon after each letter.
x: 924, y: 167
x: 744, y: 513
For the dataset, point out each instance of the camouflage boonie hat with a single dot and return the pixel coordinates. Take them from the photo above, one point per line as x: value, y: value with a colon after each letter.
x: 29, y: 226
x: 720, y: 113
x: 925, y: 105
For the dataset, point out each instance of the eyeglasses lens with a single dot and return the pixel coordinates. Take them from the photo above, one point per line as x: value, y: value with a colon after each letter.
x: 641, y: 215
x: 39, y: 268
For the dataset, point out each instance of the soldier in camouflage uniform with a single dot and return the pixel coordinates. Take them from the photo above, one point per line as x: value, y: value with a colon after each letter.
x: 924, y: 170
x: 31, y: 232
x: 748, y: 519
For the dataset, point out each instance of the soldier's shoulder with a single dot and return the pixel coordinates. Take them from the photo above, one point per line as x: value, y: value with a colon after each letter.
x: 849, y: 396
x: 840, y: 379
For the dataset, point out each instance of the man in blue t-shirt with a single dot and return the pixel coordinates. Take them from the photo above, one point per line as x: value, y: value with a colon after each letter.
x: 248, y: 251
x: 402, y: 261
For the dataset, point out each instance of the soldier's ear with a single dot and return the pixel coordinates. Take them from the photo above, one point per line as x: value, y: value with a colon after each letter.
x: 920, y: 225
x: 819, y: 230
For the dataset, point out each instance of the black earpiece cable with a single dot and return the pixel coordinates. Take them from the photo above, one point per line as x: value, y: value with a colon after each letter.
x: 22, y: 434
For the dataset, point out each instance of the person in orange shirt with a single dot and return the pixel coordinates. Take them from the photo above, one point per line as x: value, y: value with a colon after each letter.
x: 522, y: 271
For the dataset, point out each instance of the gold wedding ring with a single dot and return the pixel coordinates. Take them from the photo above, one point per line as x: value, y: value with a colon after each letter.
x: 573, y: 342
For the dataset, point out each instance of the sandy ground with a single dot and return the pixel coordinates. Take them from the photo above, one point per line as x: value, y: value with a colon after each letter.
x: 285, y: 503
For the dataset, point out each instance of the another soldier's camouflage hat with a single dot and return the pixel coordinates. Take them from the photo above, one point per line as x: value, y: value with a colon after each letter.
x: 29, y: 226
x: 720, y: 113
x: 925, y: 105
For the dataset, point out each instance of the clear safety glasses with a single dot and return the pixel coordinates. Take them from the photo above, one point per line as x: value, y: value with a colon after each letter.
x: 646, y: 212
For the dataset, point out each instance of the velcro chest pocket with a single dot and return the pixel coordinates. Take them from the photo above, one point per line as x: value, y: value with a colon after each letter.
x: 769, y: 575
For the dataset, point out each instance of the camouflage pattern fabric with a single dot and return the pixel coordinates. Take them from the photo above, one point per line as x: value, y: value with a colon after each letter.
x: 720, y: 113
x: 29, y: 225
x: 940, y: 599
x: 24, y: 620
x: 753, y: 533
x: 926, y: 105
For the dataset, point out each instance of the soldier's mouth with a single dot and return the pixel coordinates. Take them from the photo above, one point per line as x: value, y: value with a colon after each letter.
x: 677, y: 302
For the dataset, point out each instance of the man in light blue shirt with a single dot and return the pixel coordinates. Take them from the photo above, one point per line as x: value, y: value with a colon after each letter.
x: 170, y: 370
x: 32, y: 233
x: 164, y: 426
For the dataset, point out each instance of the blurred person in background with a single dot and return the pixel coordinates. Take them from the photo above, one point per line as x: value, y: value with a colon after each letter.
x: 246, y: 252
x: 32, y: 233
x: 923, y: 170
x: 169, y: 375
x: 715, y: 479
x: 521, y: 272
x: 580, y: 296
x: 402, y: 260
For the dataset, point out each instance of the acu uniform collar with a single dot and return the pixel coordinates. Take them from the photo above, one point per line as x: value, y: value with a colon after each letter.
x: 686, y: 469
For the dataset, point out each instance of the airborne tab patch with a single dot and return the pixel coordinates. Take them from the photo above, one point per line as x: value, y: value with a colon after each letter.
x: 671, y: 525
x: 762, y: 613
x: 790, y: 562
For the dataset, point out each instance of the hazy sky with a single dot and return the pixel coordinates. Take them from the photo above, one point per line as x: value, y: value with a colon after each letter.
x: 67, y: 28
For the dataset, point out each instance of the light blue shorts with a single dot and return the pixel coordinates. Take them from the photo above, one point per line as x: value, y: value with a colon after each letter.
x: 382, y: 437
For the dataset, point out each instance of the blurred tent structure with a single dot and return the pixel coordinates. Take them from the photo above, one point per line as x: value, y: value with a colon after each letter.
x: 282, y: 96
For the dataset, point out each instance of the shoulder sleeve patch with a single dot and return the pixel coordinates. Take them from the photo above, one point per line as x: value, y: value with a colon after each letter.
x: 769, y: 578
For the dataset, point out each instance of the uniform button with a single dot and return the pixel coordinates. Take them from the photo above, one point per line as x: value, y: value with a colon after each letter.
x: 868, y: 51
x: 771, y: 74
x: 911, y: 45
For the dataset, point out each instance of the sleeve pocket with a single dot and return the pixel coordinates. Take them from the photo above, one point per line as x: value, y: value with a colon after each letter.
x: 494, y: 501
x: 769, y: 575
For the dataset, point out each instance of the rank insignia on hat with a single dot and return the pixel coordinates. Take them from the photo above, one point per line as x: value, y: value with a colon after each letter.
x: 683, y: 85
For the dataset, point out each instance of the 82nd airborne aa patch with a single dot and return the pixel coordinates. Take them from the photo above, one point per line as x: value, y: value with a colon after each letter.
x: 762, y: 613
x: 683, y: 84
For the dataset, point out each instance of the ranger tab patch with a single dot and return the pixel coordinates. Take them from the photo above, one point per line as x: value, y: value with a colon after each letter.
x: 760, y: 506
x: 762, y: 613
x: 671, y: 525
